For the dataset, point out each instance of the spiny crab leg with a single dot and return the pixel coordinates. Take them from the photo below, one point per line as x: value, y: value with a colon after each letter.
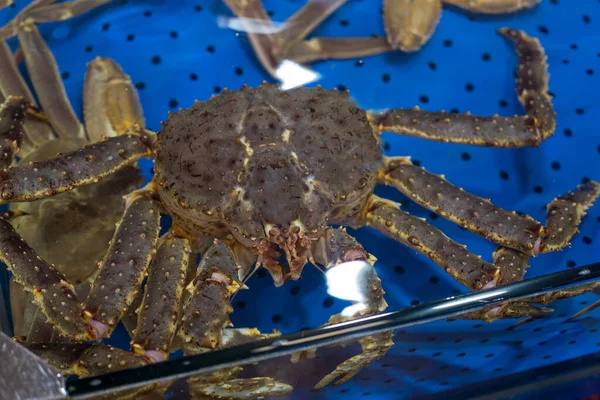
x: 74, y: 169
x: 532, y: 80
x: 111, y: 104
x: 494, y: 6
x: 464, y: 266
x: 12, y: 115
x: 564, y: 214
x: 126, y: 262
x: 495, y: 131
x: 159, y: 311
x: 207, y: 310
x: 51, y: 292
x: 471, y: 212
x: 36, y: 131
x: 46, y: 79
x: 410, y: 23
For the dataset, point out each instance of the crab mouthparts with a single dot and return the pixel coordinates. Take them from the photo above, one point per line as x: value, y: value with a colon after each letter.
x: 294, y: 245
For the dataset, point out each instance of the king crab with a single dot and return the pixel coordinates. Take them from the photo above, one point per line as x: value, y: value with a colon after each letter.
x: 254, y: 174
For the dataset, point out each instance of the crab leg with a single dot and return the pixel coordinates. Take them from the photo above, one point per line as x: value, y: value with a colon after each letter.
x: 64, y: 11
x: 471, y: 212
x: 336, y: 48
x: 564, y: 215
x: 464, y: 266
x: 410, y: 23
x: 495, y: 131
x: 74, y: 169
x: 37, y: 131
x: 250, y: 388
x: 5, y: 3
x: 12, y: 115
x: 10, y: 29
x: 335, y: 249
x: 111, y: 105
x: 86, y: 359
x: 532, y: 80
x: 206, y: 312
x: 51, y: 292
x: 45, y: 77
x: 493, y: 6
x: 126, y: 262
x: 303, y: 22
x: 159, y: 311
x: 251, y: 13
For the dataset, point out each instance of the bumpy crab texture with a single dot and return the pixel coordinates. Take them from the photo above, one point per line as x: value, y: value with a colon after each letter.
x: 265, y: 164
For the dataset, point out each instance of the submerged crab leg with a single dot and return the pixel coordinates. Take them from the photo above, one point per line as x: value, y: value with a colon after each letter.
x: 410, y: 23
x: 111, y: 105
x: 495, y: 131
x: 252, y: 15
x: 126, y: 262
x: 51, y: 292
x: 493, y: 6
x: 464, y: 266
x: 336, y: 48
x: 74, y: 169
x: 12, y: 115
x: 45, y: 78
x: 86, y: 359
x: 206, y: 312
x: 250, y: 388
x: 471, y: 212
x: 36, y: 131
x: 335, y: 249
x: 159, y: 311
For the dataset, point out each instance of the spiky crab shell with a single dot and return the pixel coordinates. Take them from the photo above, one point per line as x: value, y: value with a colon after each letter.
x: 255, y: 158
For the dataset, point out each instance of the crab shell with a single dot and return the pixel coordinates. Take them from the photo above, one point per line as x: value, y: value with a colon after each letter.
x: 258, y: 161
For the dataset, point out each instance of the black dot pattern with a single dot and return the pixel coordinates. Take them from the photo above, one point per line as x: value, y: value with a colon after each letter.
x: 177, y: 55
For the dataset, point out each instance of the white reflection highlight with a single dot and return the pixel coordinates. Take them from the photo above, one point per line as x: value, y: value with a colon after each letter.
x: 250, y: 25
x: 354, y: 309
x: 344, y: 281
x: 474, y: 298
x: 292, y: 75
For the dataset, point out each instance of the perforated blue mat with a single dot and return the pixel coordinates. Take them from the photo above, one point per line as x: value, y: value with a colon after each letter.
x: 176, y: 53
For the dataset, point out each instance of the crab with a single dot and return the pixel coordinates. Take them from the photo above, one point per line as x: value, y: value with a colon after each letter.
x: 256, y: 174
x: 409, y: 24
